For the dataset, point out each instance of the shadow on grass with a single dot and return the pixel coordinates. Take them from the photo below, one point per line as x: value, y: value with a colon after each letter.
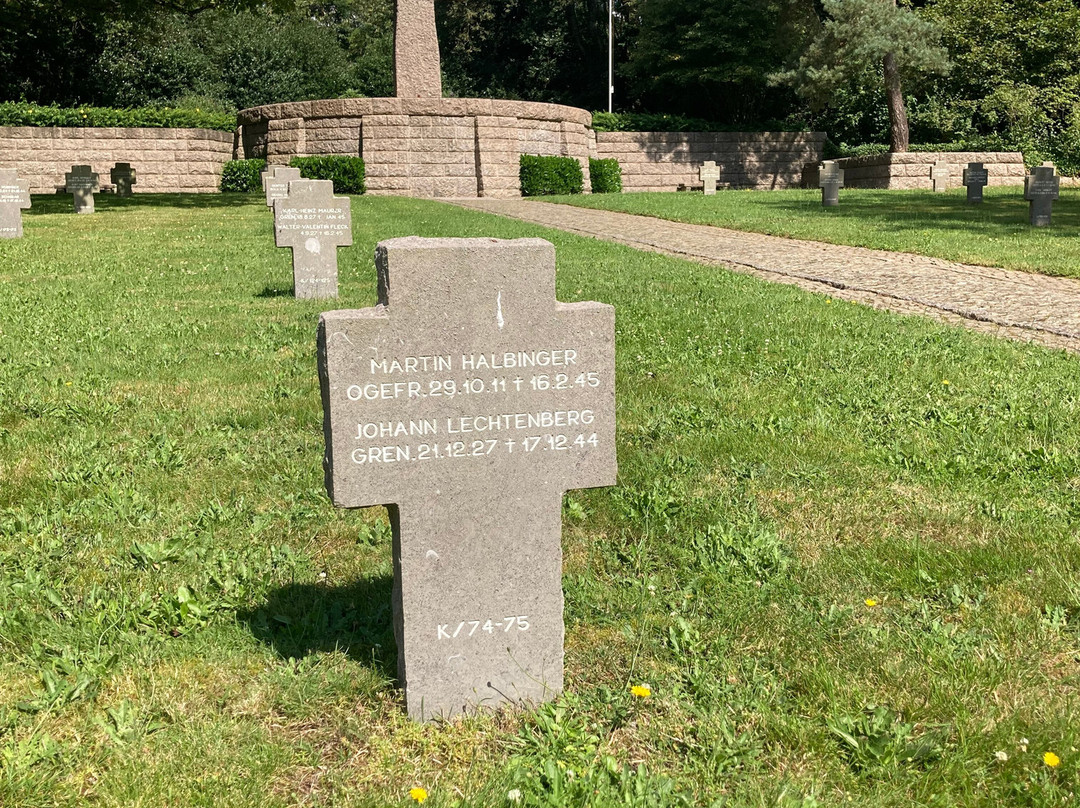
x: 302, y: 619
x: 275, y: 291
x: 44, y: 204
x: 1000, y: 214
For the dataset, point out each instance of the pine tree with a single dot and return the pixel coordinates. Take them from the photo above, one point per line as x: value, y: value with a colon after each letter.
x: 857, y: 33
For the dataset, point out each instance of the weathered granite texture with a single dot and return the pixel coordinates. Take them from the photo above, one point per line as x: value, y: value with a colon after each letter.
x: 169, y: 160
x: 1041, y: 188
x: 911, y: 170
x: 275, y: 182
x: 82, y: 182
x: 416, y: 51
x: 709, y: 173
x: 662, y: 161
x: 314, y: 222
x: 830, y: 180
x: 468, y: 401
x: 14, y: 198
x: 428, y: 147
x: 123, y: 176
x: 975, y: 178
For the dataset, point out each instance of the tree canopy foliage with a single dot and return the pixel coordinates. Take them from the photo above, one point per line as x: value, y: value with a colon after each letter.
x: 1016, y: 71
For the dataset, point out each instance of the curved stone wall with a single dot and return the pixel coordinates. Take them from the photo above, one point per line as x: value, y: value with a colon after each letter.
x: 426, y: 147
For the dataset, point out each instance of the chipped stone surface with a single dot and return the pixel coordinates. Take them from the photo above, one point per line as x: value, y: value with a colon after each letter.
x: 468, y: 401
x: 81, y: 182
x: 1018, y: 305
x: 314, y: 223
x: 14, y: 198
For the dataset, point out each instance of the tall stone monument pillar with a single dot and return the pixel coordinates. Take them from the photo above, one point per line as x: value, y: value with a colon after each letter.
x: 416, y: 51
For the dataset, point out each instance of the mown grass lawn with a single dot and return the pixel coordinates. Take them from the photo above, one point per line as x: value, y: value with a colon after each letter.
x: 843, y: 551
x: 941, y: 225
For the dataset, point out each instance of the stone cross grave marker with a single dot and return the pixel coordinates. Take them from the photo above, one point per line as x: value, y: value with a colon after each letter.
x: 14, y: 196
x: 468, y: 401
x: 939, y: 173
x: 1041, y: 188
x: 81, y: 182
x: 123, y: 177
x: 709, y: 174
x: 416, y: 51
x: 976, y: 177
x: 830, y: 180
x: 276, y: 182
x: 314, y: 222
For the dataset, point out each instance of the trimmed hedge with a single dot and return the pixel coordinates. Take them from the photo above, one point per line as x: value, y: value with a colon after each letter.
x: 605, y: 176
x: 545, y: 176
x: 23, y: 114
x: 242, y: 176
x: 649, y: 122
x: 347, y: 173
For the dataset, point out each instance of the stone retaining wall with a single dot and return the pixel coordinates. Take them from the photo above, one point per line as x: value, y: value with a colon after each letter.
x: 166, y: 160
x: 908, y: 170
x: 662, y: 161
x: 427, y: 147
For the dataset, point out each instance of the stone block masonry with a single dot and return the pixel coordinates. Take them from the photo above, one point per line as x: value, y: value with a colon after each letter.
x: 663, y: 161
x: 911, y: 170
x: 168, y: 160
x: 426, y: 147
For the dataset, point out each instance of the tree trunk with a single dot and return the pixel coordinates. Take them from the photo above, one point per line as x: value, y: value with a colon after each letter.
x: 898, y: 124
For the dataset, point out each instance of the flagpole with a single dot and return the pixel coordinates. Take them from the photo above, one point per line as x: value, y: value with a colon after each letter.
x: 611, y: 54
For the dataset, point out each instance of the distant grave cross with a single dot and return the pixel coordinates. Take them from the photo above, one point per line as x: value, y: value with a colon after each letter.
x: 939, y: 173
x: 1041, y: 188
x: 709, y: 174
x: 976, y: 177
x: 468, y: 401
x: 830, y: 180
x: 123, y: 177
x: 81, y: 182
x: 314, y: 223
x: 417, y: 71
x: 14, y: 197
x: 276, y: 182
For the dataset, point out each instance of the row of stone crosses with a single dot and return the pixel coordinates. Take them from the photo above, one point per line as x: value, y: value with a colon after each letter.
x: 1041, y: 187
x: 81, y: 182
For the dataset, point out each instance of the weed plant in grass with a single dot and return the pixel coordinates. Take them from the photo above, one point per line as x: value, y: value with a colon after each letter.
x: 842, y: 554
x: 941, y: 225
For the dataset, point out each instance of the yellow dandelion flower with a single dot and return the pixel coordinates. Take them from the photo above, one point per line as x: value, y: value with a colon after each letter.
x: 418, y: 794
x: 1051, y: 760
x: 641, y: 691
x: 946, y: 382
x: 870, y: 602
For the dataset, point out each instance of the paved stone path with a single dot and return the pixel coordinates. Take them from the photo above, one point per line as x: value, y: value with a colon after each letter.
x: 1007, y: 303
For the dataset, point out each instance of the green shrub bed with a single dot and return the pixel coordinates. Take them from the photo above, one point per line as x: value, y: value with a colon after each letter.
x: 605, y: 176
x: 347, y: 173
x: 545, y: 176
x: 24, y: 114
x: 242, y: 176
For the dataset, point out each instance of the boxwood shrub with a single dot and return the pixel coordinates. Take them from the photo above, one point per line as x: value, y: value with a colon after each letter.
x: 242, y: 176
x: 605, y: 176
x: 347, y: 173
x: 544, y: 176
x: 19, y: 113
